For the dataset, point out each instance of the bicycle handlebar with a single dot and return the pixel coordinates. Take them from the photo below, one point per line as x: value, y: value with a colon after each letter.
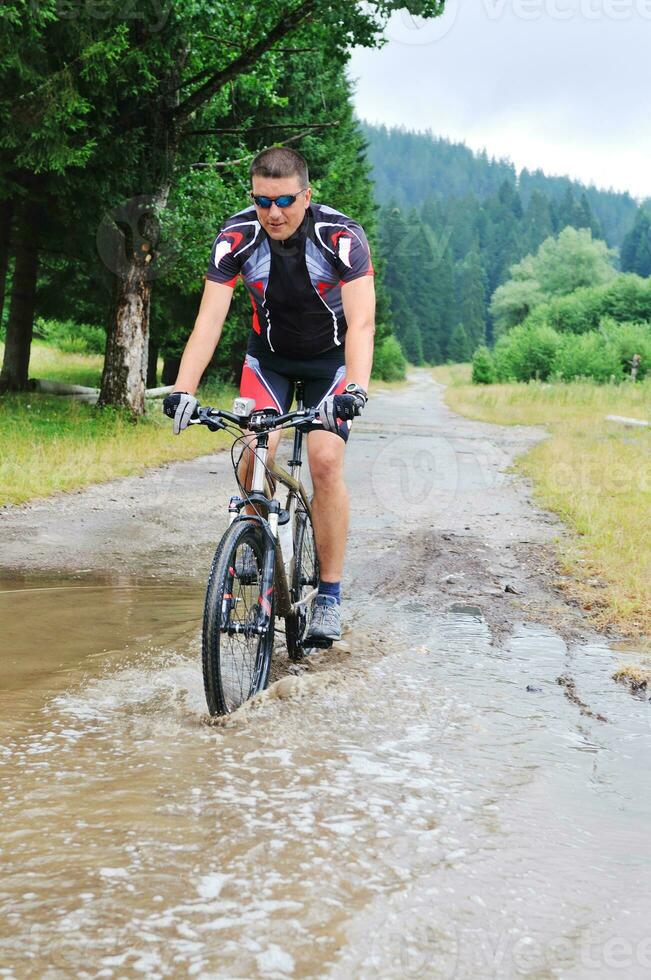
x: 260, y: 420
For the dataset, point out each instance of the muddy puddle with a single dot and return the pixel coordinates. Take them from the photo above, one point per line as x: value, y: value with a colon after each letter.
x: 445, y: 809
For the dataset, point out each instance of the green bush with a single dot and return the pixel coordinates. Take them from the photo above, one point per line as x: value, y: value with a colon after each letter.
x: 483, y: 369
x: 627, y: 298
x: 525, y: 354
x: 71, y: 337
x: 389, y: 362
x: 577, y: 313
x: 588, y: 355
x: 529, y: 352
x: 629, y: 339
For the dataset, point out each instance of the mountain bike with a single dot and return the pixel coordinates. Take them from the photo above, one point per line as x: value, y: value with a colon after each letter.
x: 265, y: 565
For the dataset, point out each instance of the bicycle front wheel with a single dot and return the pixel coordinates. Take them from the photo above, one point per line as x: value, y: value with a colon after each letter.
x: 235, y: 655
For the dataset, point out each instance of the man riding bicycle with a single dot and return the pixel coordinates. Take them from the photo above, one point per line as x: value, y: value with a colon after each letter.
x: 309, y: 274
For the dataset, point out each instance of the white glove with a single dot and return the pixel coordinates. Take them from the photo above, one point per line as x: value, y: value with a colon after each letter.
x: 180, y: 406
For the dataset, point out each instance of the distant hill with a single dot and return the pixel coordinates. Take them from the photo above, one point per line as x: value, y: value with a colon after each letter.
x: 408, y: 168
x: 453, y: 222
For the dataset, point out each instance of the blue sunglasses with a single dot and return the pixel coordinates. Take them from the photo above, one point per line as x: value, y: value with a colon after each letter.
x: 284, y: 201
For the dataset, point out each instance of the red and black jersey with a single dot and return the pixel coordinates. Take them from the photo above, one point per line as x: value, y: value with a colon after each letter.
x: 294, y: 285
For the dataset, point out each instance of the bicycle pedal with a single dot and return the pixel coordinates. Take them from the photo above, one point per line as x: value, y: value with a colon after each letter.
x: 317, y: 643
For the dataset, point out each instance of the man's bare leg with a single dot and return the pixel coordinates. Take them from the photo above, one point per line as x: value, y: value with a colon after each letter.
x: 330, y: 507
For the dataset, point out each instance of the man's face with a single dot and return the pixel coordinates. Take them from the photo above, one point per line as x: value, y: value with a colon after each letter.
x: 280, y: 223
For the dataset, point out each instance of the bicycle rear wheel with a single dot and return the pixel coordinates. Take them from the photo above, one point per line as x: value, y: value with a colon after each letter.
x: 305, y: 579
x: 236, y: 665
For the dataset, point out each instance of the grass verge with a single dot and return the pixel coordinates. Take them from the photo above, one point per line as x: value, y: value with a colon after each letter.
x: 49, y: 364
x: 596, y: 475
x: 50, y: 443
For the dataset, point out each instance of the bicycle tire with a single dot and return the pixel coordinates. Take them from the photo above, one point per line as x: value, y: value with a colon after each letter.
x: 235, y: 666
x: 305, y: 576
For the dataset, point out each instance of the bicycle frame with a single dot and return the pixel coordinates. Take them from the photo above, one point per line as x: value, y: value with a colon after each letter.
x: 276, y: 575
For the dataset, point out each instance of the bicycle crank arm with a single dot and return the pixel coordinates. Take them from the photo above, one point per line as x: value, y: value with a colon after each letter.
x: 304, y: 601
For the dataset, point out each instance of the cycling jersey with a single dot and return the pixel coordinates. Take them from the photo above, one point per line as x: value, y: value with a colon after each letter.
x: 294, y: 285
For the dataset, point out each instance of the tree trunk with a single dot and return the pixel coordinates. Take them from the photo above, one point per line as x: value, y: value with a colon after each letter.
x: 171, y: 367
x: 6, y: 215
x: 23, y: 298
x: 152, y: 363
x: 125, y: 365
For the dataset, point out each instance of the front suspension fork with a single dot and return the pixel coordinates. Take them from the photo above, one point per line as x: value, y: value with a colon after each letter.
x: 262, y: 620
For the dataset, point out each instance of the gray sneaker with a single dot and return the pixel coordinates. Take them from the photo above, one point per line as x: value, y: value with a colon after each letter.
x: 326, y: 622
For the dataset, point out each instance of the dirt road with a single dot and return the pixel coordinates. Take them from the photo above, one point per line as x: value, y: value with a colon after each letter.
x: 424, y: 482
x: 454, y: 792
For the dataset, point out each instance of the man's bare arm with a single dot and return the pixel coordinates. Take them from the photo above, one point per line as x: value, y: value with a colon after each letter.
x: 203, y: 340
x: 358, y: 298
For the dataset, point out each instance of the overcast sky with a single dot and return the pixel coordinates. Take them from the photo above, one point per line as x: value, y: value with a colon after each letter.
x: 560, y: 84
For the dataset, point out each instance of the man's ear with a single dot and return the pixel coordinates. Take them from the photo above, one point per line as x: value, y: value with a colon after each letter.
x: 308, y: 197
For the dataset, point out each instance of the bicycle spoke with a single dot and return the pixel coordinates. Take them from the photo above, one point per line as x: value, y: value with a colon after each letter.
x: 240, y: 653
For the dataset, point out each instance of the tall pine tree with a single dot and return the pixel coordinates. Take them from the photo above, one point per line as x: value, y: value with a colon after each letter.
x: 471, y: 289
x: 636, y: 248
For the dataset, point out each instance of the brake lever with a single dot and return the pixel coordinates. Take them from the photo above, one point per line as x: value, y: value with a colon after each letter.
x: 214, y: 424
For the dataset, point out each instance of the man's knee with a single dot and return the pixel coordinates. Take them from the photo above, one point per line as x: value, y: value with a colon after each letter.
x: 327, y: 466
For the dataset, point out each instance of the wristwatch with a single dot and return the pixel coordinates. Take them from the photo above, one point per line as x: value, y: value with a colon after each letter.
x: 355, y: 389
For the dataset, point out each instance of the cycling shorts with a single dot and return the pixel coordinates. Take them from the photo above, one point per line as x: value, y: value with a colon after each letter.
x: 270, y: 381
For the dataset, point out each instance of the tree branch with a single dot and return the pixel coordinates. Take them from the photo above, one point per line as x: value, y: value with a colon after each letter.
x: 222, y: 164
x: 282, y: 27
x: 256, y: 129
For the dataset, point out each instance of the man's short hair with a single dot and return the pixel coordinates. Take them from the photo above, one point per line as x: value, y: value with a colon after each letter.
x: 279, y: 161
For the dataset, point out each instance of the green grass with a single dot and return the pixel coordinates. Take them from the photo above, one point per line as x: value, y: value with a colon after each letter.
x: 50, y: 364
x: 50, y: 443
x: 596, y: 475
x: 453, y: 374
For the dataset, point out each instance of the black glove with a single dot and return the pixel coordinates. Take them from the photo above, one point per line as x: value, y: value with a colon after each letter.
x: 345, y: 407
x: 180, y: 406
